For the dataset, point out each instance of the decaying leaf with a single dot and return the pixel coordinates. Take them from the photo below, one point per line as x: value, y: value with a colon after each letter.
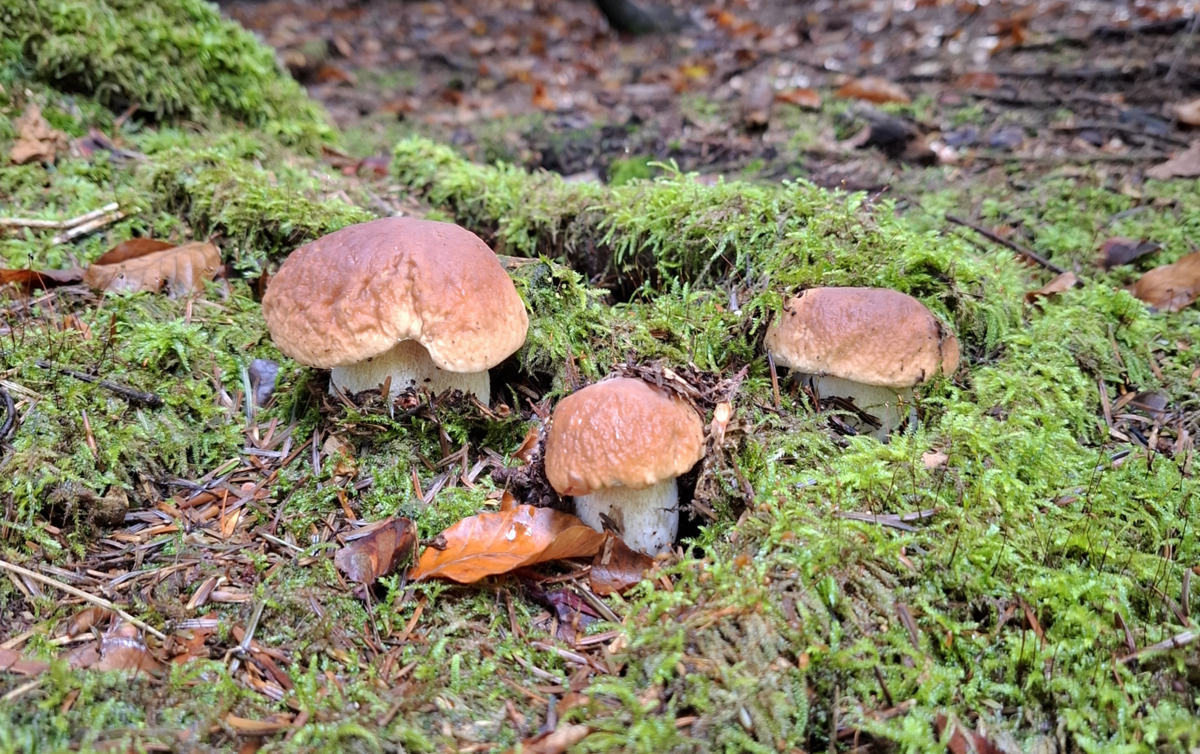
x: 491, y: 543
x: 183, y: 269
x: 1062, y: 282
x: 36, y: 140
x: 873, y: 89
x: 12, y: 661
x: 378, y: 553
x: 30, y: 280
x: 1171, y: 287
x: 616, y: 567
x: 1115, y: 252
x: 342, y: 453
x: 962, y: 739
x: 85, y: 619
x: 979, y: 80
x: 1188, y: 112
x: 121, y: 648
x: 553, y: 742
x: 524, y: 454
x: 247, y: 727
x: 132, y: 249
x: 1186, y: 164
x: 803, y: 97
x: 934, y: 459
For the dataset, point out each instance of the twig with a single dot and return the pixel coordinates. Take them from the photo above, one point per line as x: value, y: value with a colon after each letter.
x: 88, y: 227
x: 894, y: 520
x: 1184, y: 44
x: 100, y: 601
x: 128, y: 393
x: 10, y: 415
x: 21, y: 222
x: 1005, y: 242
x: 1175, y: 642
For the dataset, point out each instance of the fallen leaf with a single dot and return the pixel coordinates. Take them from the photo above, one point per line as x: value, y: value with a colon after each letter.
x: 1062, y: 282
x: 524, y: 454
x: 190, y: 644
x: 343, y: 453
x: 332, y: 74
x: 11, y: 661
x: 979, y: 80
x: 183, y: 269
x: 247, y: 727
x: 29, y: 280
x: 121, y: 648
x: 36, y: 140
x: 1186, y: 164
x: 378, y: 553
x: 963, y: 740
x: 553, y: 742
x: 1189, y: 112
x: 934, y: 459
x: 1118, y: 251
x: 873, y: 89
x: 85, y: 619
x: 132, y: 249
x: 263, y: 373
x: 491, y: 543
x: 617, y: 567
x: 1171, y: 287
x: 803, y: 97
x: 541, y: 99
x: 507, y: 501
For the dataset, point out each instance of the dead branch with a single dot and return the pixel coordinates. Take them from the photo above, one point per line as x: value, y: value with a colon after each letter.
x: 1006, y: 243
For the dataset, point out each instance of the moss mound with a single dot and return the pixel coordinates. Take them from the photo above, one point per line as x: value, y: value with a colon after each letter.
x: 173, y: 59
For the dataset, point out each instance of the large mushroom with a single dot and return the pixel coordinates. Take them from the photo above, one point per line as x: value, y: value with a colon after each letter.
x: 425, y: 303
x: 871, y: 346
x: 617, y: 447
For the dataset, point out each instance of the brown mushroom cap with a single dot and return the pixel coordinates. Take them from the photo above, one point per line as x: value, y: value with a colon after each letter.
x: 621, y: 432
x: 357, y: 292
x: 874, y: 336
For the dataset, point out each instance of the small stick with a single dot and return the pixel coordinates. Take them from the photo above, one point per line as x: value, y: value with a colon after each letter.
x: 1175, y: 642
x: 20, y: 222
x: 100, y: 601
x: 128, y: 393
x: 88, y: 227
x: 774, y: 379
x: 10, y: 415
x: 1005, y: 242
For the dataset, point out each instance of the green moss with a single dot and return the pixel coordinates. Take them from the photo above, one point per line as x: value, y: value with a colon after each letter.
x: 175, y: 59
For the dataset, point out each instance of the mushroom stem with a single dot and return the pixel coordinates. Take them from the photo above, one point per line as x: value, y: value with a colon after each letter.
x: 891, y: 407
x: 409, y: 365
x: 648, y: 518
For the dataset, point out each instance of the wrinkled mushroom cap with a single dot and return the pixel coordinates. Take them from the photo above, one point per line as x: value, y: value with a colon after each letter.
x: 874, y: 336
x: 621, y: 432
x: 357, y: 292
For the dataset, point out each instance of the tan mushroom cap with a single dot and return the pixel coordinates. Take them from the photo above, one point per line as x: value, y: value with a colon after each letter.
x: 621, y: 432
x: 874, y: 336
x: 357, y: 292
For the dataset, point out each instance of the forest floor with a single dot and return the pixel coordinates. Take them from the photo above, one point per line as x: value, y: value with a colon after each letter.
x: 1014, y: 574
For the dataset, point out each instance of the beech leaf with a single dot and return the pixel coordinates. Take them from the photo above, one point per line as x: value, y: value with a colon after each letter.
x: 36, y: 140
x: 1186, y: 164
x: 1171, y: 287
x: 1062, y: 282
x: 29, y: 280
x: 873, y: 89
x: 491, y: 543
x: 617, y: 567
x: 379, y: 553
x: 132, y: 249
x: 1188, y: 112
x: 802, y: 97
x: 183, y: 269
x: 12, y: 661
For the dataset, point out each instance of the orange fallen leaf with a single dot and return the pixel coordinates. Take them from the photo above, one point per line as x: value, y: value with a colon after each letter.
x: 132, y: 249
x: 542, y: 100
x: 1188, y: 112
x: 121, y: 648
x: 247, y: 727
x: 525, y: 453
x: 981, y: 80
x: 1062, y: 282
x: 873, y: 89
x: 491, y: 543
x: 1186, y: 164
x: 85, y: 619
x: 36, y: 140
x: 616, y: 567
x: 183, y: 269
x: 30, y: 280
x: 1171, y: 287
x: 553, y: 742
x: 803, y: 97
x: 12, y: 661
x: 378, y: 553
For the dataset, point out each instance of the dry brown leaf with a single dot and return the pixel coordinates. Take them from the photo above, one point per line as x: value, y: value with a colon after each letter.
x: 541, y: 99
x: 1188, y: 112
x: 1062, y: 282
x: 491, y: 543
x: 183, y: 269
x: 873, y: 89
x: 11, y: 661
x: 1171, y: 287
x: 1118, y: 251
x: 616, y: 567
x: 189, y: 645
x: 979, y: 80
x: 379, y: 553
x: 803, y: 97
x: 29, y: 280
x: 36, y: 140
x: 85, y: 619
x: 524, y: 454
x: 934, y: 459
x: 247, y: 727
x: 123, y: 649
x: 132, y: 249
x: 507, y: 501
x: 963, y: 740
x: 553, y: 742
x: 1186, y: 164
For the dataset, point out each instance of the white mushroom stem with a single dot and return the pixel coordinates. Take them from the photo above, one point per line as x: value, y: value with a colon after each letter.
x: 409, y: 365
x: 891, y: 407
x: 648, y: 519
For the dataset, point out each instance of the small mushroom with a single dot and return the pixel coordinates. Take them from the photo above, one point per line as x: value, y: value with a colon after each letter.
x: 617, y: 447
x: 871, y: 346
x: 425, y: 303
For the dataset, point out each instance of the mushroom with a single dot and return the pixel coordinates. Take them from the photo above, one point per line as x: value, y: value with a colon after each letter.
x: 424, y: 303
x: 617, y: 447
x: 869, y: 345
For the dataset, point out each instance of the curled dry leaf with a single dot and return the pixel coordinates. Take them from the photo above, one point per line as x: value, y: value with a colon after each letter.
x: 1188, y: 112
x: 873, y: 89
x: 183, y: 269
x: 378, y: 553
x: 1171, y: 287
x: 491, y: 543
x: 1186, y: 164
x: 616, y: 567
x: 529, y: 445
x: 36, y: 140
x: 132, y: 249
x: 30, y: 280
x: 1118, y: 251
x: 1060, y: 283
x: 85, y: 619
x: 802, y: 97
x: 121, y: 648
